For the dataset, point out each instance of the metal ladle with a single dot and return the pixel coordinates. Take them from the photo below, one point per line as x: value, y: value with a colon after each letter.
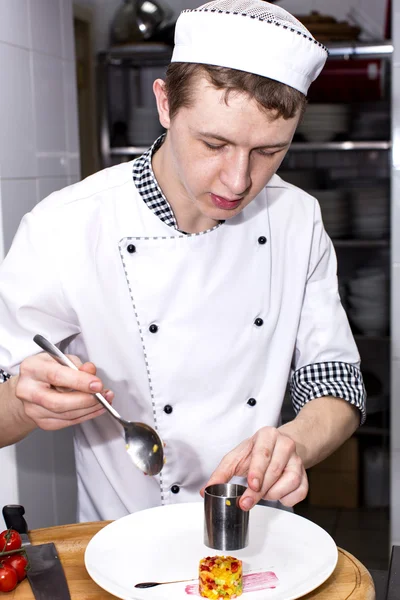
x: 143, y: 444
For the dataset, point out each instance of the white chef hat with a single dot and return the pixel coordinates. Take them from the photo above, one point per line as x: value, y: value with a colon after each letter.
x: 250, y: 35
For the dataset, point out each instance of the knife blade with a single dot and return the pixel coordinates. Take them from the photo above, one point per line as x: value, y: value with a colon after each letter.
x: 45, y: 573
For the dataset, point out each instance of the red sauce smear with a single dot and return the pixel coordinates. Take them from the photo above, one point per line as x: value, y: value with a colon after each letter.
x: 254, y: 582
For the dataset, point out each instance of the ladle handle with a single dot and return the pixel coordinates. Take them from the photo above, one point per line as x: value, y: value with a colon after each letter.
x: 51, y: 349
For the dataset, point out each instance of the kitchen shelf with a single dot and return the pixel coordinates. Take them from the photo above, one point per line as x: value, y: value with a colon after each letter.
x: 361, y: 243
x: 346, y: 145
x: 128, y: 151
x: 132, y: 55
x: 360, y: 49
x: 130, y: 62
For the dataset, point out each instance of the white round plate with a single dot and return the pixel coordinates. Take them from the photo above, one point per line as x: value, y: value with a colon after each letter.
x: 166, y: 544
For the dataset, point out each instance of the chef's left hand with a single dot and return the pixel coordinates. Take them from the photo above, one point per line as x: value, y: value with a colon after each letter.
x: 272, y: 466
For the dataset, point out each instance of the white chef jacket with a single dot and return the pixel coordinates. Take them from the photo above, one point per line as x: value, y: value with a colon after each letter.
x: 185, y: 329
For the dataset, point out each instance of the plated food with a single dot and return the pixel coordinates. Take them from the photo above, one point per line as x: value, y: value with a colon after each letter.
x: 165, y: 544
x: 220, y: 577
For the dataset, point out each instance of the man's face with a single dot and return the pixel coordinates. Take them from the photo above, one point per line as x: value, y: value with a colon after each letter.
x: 222, y: 154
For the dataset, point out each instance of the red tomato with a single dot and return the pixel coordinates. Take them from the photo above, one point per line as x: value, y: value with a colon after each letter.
x: 10, y: 540
x: 19, y: 562
x: 8, y: 578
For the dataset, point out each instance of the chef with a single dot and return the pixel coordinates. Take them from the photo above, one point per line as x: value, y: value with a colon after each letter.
x: 197, y: 283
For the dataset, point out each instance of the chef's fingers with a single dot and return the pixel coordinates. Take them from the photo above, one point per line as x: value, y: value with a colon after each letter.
x: 263, y: 453
x: 292, y: 486
x: 46, y: 404
x: 60, y: 403
x: 284, y: 451
x: 44, y: 368
x: 87, y: 367
x: 236, y: 462
x: 271, y: 453
x: 297, y: 496
x: 54, y: 424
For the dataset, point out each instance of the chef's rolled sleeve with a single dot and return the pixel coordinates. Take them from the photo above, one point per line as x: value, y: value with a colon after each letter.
x: 326, y: 360
x: 4, y: 376
x: 340, y: 380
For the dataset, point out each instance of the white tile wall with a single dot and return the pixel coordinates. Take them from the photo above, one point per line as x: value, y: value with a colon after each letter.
x: 49, y: 102
x: 52, y: 164
x: 74, y: 165
x: 396, y: 115
x: 17, y: 143
x: 395, y: 284
x: 70, y: 95
x: 36, y: 472
x: 2, y: 253
x: 46, y: 462
x: 18, y: 196
x: 14, y: 24
x: 48, y: 185
x: 65, y: 484
x: 39, y: 153
x: 45, y: 23
x: 395, y: 280
x: 395, y: 498
x: 9, y: 488
x: 67, y: 31
x: 396, y: 27
x: 395, y: 405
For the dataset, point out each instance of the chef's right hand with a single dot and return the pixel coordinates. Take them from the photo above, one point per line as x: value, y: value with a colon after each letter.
x: 55, y: 396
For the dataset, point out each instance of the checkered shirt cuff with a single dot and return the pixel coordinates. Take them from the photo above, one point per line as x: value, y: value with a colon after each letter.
x: 341, y: 380
x: 4, y: 376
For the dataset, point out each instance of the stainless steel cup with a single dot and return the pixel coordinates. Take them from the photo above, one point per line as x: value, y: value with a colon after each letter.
x: 226, y: 525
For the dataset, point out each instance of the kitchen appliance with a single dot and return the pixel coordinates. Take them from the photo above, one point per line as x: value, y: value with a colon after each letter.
x: 139, y: 20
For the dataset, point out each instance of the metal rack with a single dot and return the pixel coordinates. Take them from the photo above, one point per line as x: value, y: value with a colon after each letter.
x: 361, y: 50
x: 131, y: 57
x: 141, y: 55
x: 349, y: 248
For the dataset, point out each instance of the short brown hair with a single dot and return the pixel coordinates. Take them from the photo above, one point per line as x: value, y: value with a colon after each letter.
x: 271, y: 95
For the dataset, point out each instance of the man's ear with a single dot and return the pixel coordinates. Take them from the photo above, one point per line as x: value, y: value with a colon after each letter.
x: 162, y: 103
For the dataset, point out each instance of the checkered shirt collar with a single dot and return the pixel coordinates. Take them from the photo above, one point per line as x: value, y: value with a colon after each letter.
x: 148, y: 188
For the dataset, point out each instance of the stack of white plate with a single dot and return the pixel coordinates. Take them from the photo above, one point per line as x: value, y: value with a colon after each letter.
x: 368, y: 301
x: 370, y: 212
x: 323, y: 122
x: 335, y: 211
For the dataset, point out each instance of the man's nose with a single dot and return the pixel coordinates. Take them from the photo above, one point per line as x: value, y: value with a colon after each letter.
x: 235, y: 173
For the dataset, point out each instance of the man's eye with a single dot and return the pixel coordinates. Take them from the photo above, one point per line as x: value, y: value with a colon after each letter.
x: 213, y: 146
x: 264, y: 153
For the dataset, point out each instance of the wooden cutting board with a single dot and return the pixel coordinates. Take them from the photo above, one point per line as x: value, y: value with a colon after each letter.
x: 349, y: 581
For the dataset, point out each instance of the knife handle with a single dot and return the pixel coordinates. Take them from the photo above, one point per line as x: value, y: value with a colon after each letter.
x: 14, y: 517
